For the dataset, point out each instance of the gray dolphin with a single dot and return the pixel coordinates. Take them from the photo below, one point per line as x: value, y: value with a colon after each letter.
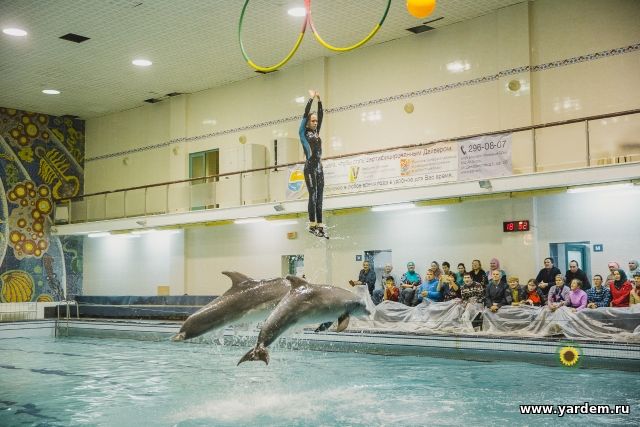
x: 305, y: 303
x: 246, y: 298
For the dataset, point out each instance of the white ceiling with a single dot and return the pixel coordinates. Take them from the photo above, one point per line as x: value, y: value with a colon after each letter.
x: 193, y: 45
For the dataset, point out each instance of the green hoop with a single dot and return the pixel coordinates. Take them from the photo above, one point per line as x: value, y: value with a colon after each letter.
x: 286, y: 58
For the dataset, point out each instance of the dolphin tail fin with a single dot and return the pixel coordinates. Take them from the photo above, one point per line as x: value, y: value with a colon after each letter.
x: 260, y: 352
x: 323, y: 326
x: 343, y: 322
x: 180, y: 336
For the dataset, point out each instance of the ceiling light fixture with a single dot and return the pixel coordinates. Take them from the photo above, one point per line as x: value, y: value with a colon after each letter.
x: 297, y: 11
x: 398, y: 206
x: 249, y: 220
x: 603, y: 187
x: 429, y: 210
x: 141, y: 62
x: 16, y: 32
x: 51, y: 91
x: 284, y: 222
x: 100, y: 234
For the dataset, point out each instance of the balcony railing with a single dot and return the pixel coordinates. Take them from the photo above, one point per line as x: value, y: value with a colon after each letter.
x: 571, y: 144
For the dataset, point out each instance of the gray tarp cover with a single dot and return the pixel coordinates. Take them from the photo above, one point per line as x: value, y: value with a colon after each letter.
x: 611, y: 324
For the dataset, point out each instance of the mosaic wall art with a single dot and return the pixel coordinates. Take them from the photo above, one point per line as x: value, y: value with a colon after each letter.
x: 41, y: 163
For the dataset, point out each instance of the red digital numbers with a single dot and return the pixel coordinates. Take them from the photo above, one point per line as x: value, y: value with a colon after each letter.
x: 511, y: 226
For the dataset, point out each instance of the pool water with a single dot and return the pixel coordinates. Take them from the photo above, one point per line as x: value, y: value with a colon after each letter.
x: 108, y: 382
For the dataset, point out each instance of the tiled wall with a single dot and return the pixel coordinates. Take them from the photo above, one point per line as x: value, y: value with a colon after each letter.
x: 41, y: 163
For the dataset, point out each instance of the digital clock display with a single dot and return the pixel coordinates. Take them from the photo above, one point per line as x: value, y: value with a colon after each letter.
x: 511, y: 226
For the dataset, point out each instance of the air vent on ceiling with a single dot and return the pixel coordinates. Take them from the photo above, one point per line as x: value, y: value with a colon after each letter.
x: 152, y: 100
x: 424, y: 27
x: 174, y: 94
x: 76, y: 38
x: 420, y: 29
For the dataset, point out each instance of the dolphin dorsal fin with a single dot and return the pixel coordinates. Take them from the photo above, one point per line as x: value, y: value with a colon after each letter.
x: 236, y: 277
x: 296, y: 281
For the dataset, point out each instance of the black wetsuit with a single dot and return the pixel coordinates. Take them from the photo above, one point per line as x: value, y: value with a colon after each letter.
x: 313, y: 175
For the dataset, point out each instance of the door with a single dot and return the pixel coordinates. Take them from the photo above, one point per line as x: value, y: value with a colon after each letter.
x: 563, y: 253
x: 202, y: 164
x: 293, y: 264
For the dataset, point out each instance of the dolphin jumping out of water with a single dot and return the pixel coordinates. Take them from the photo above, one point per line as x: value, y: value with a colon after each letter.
x: 305, y: 303
x: 246, y: 298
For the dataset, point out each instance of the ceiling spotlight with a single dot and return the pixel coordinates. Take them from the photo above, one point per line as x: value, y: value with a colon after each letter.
x: 249, y: 220
x: 393, y: 207
x: 486, y: 184
x: 601, y: 187
x: 51, y: 91
x: 297, y: 11
x: 141, y: 62
x: 99, y: 234
x: 16, y: 32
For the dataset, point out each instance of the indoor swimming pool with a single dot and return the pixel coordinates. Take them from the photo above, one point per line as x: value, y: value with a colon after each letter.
x: 73, y: 381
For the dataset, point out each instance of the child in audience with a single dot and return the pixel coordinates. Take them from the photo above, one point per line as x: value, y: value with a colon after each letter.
x: 391, y: 293
x: 535, y: 296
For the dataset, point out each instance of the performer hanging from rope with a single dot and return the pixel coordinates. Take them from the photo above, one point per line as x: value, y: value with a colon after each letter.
x: 313, y: 175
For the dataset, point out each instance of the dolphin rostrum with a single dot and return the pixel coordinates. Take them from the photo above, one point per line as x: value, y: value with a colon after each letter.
x: 305, y: 303
x: 246, y: 298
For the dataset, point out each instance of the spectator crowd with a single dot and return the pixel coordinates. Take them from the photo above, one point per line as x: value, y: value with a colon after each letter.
x: 495, y: 289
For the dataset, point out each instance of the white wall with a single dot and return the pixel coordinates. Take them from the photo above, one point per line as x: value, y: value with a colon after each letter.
x: 117, y: 265
x: 464, y: 231
x: 607, y: 217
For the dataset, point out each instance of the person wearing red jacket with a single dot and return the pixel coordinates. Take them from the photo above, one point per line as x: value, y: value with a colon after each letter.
x: 620, y: 289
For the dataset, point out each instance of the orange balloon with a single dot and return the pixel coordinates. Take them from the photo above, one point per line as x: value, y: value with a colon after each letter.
x: 421, y: 8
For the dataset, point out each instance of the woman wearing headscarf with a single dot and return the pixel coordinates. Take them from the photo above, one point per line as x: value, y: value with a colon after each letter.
x: 634, y: 268
x: 494, y: 264
x: 613, y: 266
x: 620, y: 289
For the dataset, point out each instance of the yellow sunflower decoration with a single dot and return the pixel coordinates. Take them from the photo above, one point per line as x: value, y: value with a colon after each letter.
x: 569, y: 356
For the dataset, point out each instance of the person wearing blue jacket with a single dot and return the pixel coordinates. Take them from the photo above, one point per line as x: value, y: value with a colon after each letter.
x: 429, y: 289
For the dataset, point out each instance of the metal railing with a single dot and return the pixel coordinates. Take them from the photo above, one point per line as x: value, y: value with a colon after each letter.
x: 67, y: 315
x: 593, y: 136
